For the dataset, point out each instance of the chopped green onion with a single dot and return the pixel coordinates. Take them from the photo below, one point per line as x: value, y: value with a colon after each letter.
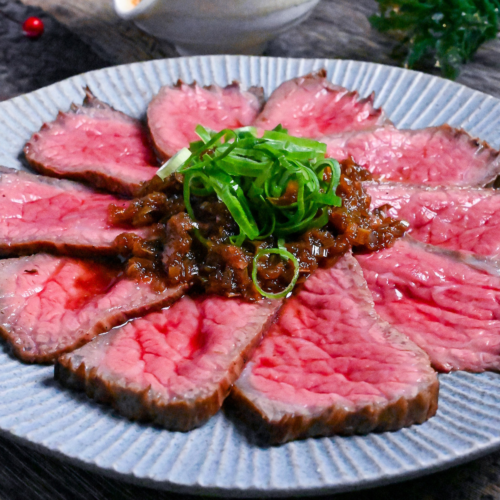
x: 203, y: 133
x: 172, y: 165
x: 252, y: 130
x: 285, y: 254
x: 298, y: 142
x: 274, y: 185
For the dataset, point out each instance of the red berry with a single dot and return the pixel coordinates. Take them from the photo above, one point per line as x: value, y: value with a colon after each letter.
x: 33, y: 27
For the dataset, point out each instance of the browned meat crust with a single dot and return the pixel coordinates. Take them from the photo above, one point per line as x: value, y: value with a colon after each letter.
x: 81, y: 370
x: 335, y: 421
x: 97, y: 178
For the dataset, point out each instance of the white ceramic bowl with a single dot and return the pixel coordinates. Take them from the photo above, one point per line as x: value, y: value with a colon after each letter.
x: 215, y: 26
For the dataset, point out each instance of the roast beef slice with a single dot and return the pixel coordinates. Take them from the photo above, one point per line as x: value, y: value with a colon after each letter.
x: 96, y: 144
x: 446, y: 302
x: 174, y: 113
x: 455, y: 218
x: 50, y: 305
x: 311, y: 106
x: 174, y: 367
x: 38, y: 213
x: 330, y: 365
x: 431, y: 156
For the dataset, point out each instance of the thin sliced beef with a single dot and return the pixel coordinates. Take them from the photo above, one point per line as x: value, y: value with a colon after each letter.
x: 38, y: 213
x: 311, y: 106
x: 447, y: 302
x: 50, y: 305
x: 96, y: 144
x: 174, y: 367
x: 455, y: 218
x: 175, y: 111
x: 330, y: 365
x: 431, y: 156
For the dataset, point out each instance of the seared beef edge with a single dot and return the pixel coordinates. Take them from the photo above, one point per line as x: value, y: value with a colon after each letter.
x: 54, y: 248
x: 334, y: 421
x: 89, y: 178
x: 116, y: 319
x: 182, y: 416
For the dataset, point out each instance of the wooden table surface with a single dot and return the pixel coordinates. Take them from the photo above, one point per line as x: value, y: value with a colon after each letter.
x: 336, y: 29
x: 85, y: 34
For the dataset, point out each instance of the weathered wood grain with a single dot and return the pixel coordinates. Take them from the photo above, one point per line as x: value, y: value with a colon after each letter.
x: 27, y: 64
x: 336, y: 29
x: 96, y: 23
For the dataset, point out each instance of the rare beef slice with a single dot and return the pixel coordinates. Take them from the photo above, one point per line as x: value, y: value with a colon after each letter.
x: 455, y: 218
x: 330, y: 365
x: 311, y: 106
x: 96, y: 144
x: 50, y: 305
x: 174, y: 367
x: 174, y: 112
x: 446, y: 302
x: 431, y: 156
x: 38, y: 213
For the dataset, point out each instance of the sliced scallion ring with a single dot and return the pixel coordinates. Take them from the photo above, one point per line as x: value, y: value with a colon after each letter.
x: 174, y: 163
x: 284, y: 254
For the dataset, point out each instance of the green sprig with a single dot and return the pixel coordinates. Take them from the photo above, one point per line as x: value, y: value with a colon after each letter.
x: 446, y: 33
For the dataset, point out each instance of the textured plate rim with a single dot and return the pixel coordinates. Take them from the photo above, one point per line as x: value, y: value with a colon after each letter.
x: 250, y: 492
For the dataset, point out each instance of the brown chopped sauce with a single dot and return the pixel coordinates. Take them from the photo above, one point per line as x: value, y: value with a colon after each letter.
x: 202, y: 255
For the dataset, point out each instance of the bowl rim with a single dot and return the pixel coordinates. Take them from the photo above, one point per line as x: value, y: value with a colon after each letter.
x: 127, y: 10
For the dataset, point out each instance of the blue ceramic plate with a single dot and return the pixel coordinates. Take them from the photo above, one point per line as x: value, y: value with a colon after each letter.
x: 217, y: 458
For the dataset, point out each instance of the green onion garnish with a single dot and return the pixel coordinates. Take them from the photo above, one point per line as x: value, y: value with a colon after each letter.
x: 285, y: 254
x: 173, y: 164
x: 276, y: 185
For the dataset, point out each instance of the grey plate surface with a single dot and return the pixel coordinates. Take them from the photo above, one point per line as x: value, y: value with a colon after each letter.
x: 217, y: 458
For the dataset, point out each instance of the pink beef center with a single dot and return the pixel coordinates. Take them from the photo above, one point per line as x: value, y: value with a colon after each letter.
x: 451, y: 218
x: 32, y: 210
x: 189, y: 346
x: 176, y: 112
x: 428, y: 156
x: 82, y: 141
x: 68, y: 295
x: 325, y: 350
x: 449, y: 309
x: 313, y: 111
x: 53, y: 304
